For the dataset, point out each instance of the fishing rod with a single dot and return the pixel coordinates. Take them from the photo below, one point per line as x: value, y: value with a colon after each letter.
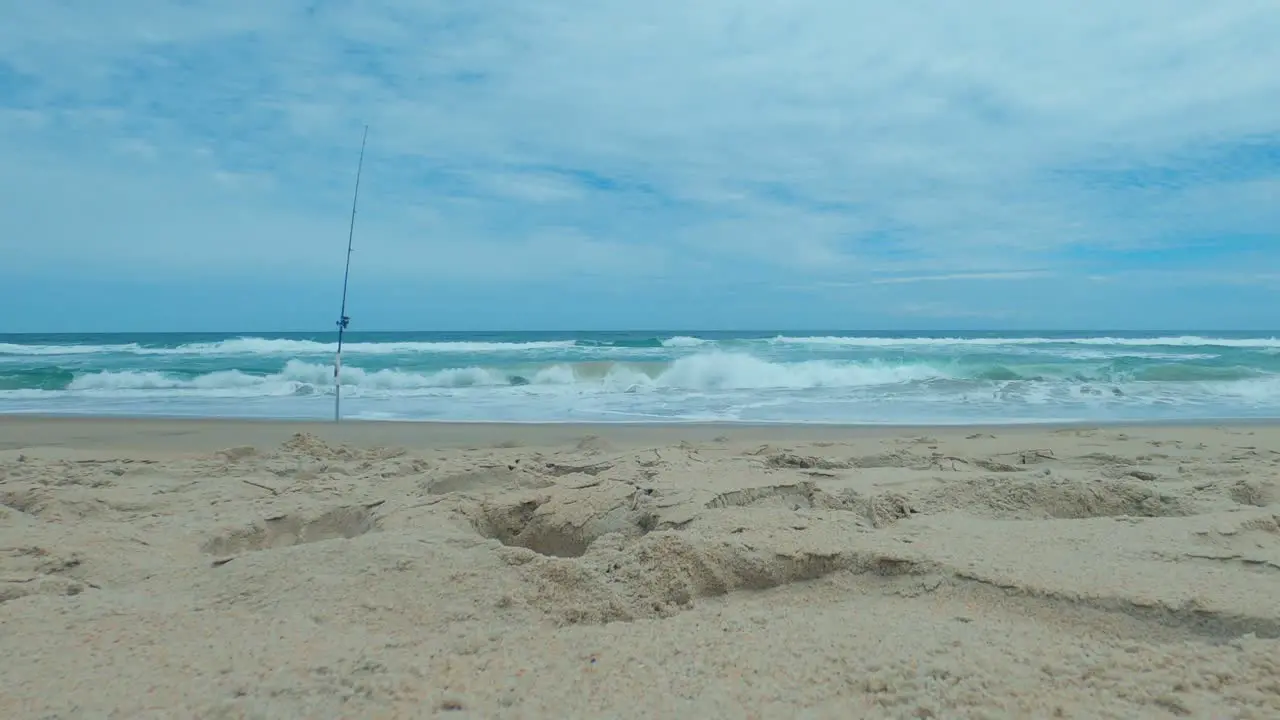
x: 343, y: 320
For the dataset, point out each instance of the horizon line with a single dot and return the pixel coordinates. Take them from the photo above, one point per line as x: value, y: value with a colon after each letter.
x: 865, y: 332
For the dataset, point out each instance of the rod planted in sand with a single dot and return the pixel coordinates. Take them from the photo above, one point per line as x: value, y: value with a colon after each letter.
x: 343, y: 320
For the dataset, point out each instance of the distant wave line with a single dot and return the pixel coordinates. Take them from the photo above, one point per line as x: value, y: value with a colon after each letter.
x: 284, y: 346
x: 701, y: 372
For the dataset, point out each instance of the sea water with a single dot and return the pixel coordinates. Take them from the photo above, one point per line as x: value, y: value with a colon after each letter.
x: 762, y: 377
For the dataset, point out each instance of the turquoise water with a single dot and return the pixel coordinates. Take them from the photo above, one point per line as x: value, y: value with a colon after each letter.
x: 813, y: 377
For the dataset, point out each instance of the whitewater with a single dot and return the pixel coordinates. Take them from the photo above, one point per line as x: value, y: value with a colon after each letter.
x: 783, y: 377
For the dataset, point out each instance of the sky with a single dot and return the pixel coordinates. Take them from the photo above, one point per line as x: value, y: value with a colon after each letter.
x: 840, y: 164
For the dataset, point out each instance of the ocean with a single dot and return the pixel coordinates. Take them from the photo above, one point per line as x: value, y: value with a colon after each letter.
x: 762, y: 377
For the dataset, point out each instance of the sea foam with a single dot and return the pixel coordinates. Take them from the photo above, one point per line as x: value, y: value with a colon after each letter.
x: 792, y: 377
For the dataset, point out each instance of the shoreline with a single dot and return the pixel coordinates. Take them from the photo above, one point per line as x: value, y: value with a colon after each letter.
x: 192, y: 434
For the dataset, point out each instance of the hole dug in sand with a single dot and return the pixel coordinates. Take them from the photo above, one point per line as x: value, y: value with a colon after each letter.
x: 794, y: 496
x: 665, y: 573
x: 614, y: 552
x: 294, y: 529
x: 565, y: 525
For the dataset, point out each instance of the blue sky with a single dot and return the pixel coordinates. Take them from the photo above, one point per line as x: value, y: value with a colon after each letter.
x: 776, y: 164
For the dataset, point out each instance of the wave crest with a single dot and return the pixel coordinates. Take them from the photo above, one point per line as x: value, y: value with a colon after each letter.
x: 1170, y: 341
x: 699, y: 372
x: 284, y: 346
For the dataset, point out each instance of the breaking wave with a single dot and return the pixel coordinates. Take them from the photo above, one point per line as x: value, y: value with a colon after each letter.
x: 1172, y: 341
x: 712, y: 371
x: 699, y: 372
x: 636, y: 376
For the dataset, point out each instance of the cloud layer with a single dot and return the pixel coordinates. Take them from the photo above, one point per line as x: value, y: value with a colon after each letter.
x: 936, y: 161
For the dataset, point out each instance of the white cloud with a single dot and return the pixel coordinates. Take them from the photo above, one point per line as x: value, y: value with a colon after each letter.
x: 944, y: 311
x: 891, y: 143
x: 1010, y: 275
x: 530, y: 187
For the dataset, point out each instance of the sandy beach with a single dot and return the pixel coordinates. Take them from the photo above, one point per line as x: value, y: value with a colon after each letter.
x: 373, y: 570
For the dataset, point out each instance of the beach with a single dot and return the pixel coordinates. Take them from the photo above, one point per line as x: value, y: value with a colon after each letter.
x: 261, y: 569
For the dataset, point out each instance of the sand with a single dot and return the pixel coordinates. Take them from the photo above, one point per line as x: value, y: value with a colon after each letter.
x: 275, y: 570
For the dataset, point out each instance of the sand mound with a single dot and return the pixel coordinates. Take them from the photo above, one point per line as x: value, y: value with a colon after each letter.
x: 1054, y: 498
x: 293, y: 529
x: 484, y: 479
x: 564, y: 524
x: 1255, y: 492
x: 793, y: 496
x: 73, y: 503
x: 665, y: 572
x: 34, y: 570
